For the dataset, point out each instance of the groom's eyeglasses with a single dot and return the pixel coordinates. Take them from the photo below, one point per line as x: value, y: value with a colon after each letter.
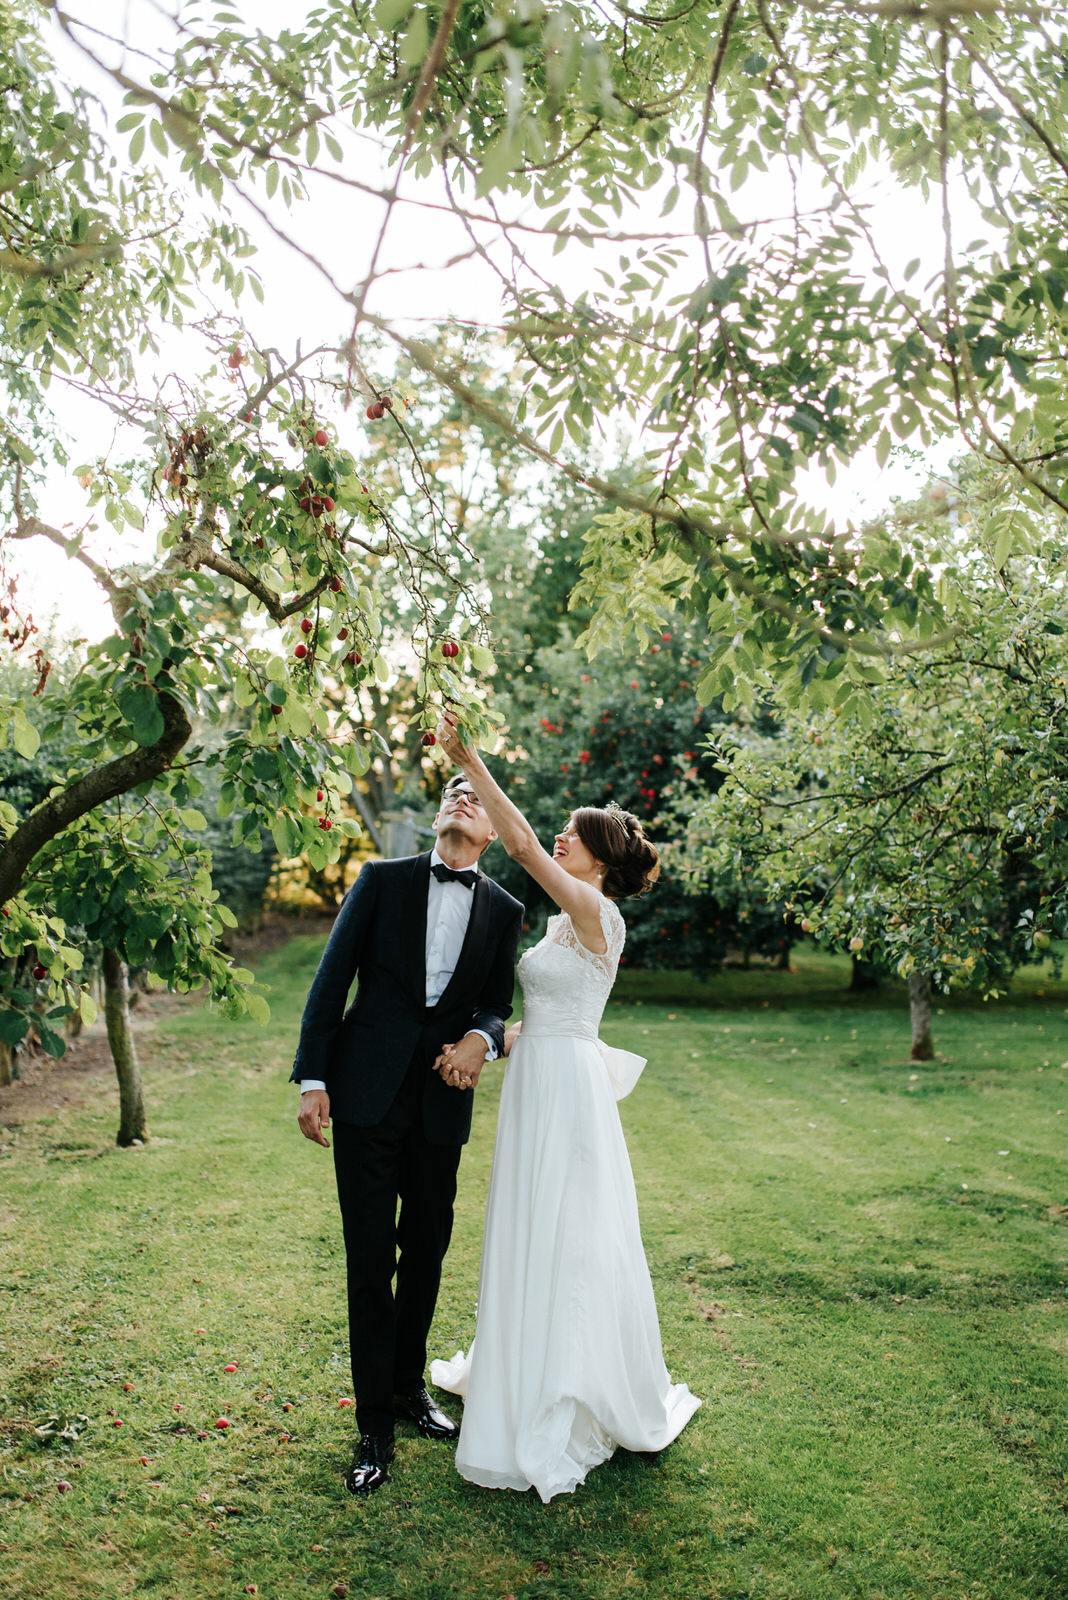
x: 467, y: 794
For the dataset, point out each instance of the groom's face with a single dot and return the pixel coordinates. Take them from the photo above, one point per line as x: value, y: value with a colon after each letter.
x: 461, y: 814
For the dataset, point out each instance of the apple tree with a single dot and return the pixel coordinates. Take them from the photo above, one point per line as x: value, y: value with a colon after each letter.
x: 249, y: 555
x: 761, y: 330
x: 928, y: 832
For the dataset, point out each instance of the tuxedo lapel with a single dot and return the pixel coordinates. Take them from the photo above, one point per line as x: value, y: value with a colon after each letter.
x: 415, y: 926
x: 466, y: 972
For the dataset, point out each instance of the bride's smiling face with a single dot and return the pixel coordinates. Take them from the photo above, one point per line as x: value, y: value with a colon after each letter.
x: 574, y: 856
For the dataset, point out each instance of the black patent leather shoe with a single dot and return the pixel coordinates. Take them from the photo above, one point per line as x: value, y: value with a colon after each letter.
x: 430, y: 1420
x: 369, y: 1462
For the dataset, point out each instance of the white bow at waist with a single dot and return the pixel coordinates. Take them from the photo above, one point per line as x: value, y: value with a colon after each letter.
x: 623, y: 1068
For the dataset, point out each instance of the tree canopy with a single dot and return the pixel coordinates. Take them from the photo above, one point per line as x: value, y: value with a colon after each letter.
x: 689, y: 221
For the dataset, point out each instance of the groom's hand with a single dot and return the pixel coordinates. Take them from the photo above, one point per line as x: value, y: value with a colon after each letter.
x: 460, y: 1064
x: 315, y: 1115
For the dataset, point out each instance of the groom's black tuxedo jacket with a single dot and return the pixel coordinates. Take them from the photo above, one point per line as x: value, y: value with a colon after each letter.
x: 362, y: 1054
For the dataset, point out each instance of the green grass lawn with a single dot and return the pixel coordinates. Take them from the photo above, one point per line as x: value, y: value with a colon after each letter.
x: 861, y: 1266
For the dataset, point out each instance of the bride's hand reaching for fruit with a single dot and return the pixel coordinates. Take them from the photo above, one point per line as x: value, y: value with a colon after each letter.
x: 451, y: 743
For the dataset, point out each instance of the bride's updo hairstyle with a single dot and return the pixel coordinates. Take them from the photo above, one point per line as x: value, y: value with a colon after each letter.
x: 614, y: 837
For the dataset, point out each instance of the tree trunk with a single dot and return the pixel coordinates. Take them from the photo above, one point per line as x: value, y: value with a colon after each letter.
x: 782, y: 960
x: 865, y: 976
x: 920, y: 1006
x: 7, y: 1055
x: 132, y: 1127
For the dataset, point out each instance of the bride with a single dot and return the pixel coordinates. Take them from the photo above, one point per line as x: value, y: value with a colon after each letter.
x: 566, y: 1364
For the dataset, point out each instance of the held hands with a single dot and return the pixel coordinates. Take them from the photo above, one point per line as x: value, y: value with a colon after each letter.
x: 510, y: 1037
x: 314, y: 1115
x: 461, y: 1064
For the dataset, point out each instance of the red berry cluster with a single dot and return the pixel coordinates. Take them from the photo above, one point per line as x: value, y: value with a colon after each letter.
x: 316, y: 504
x: 378, y: 408
x: 450, y: 649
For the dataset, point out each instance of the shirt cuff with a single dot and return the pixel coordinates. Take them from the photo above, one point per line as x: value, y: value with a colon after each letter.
x: 307, y: 1084
x: 491, y: 1048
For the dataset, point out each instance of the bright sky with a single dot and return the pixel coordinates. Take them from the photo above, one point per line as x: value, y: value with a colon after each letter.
x: 339, y: 225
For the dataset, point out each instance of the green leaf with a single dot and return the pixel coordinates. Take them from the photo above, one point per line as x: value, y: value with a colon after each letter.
x: 52, y: 1043
x: 14, y: 1025
x: 87, y: 1007
x: 26, y: 739
x: 389, y: 12
x: 257, y: 1008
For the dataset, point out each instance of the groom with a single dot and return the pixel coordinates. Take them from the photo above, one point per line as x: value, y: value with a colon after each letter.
x: 432, y: 942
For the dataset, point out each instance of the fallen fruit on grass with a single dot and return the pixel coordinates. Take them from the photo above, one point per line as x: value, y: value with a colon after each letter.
x: 145, y: 1462
x: 341, y: 1589
x: 177, y: 1405
x: 222, y: 1423
x: 127, y: 1387
x: 287, y: 1405
x: 284, y: 1438
x: 231, y: 1366
x: 202, y: 1437
x: 63, y: 1486
x: 321, y: 438
x: 344, y: 1403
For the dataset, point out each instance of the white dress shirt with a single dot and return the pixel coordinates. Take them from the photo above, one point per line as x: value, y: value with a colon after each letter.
x: 448, y: 911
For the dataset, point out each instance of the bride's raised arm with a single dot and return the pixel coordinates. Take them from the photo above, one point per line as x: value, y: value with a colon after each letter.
x: 581, y: 899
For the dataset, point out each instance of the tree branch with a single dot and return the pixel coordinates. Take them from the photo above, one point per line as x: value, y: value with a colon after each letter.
x: 92, y: 789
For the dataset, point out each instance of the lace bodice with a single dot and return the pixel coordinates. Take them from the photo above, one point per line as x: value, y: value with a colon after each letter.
x: 565, y: 986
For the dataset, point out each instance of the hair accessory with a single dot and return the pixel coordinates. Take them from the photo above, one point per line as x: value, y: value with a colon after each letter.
x: 618, y: 815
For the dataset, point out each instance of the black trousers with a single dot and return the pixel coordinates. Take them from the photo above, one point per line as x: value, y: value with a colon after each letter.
x: 377, y: 1170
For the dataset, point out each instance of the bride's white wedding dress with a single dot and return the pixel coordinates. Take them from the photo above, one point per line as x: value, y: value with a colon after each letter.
x: 566, y: 1363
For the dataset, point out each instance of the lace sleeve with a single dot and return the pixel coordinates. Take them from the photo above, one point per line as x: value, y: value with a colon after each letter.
x: 561, y: 931
x: 615, y: 932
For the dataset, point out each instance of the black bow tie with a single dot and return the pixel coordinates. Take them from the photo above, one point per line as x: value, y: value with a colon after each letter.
x: 467, y: 875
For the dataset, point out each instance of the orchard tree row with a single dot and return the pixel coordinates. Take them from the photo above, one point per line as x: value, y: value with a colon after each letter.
x: 275, y: 531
